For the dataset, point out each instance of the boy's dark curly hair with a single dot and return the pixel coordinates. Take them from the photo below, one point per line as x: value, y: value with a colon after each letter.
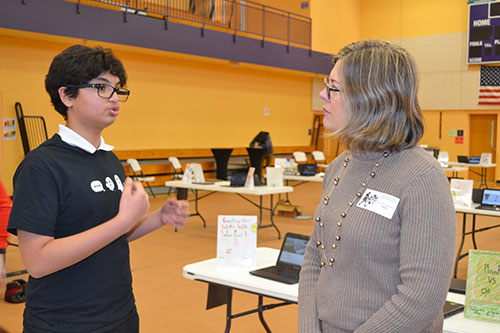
x: 77, y: 65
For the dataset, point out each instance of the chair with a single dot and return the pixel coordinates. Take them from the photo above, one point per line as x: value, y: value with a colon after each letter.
x: 138, y: 175
x: 32, y: 129
x: 319, y: 159
x: 299, y: 157
x: 176, y: 165
x: 178, y: 171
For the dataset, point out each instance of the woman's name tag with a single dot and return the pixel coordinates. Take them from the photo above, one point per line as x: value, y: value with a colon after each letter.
x: 378, y: 202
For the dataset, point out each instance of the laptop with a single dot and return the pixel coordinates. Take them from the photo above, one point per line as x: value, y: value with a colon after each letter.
x: 490, y: 200
x: 463, y: 159
x: 458, y: 286
x: 289, y: 261
x: 307, y: 169
x: 451, y: 308
x: 475, y: 159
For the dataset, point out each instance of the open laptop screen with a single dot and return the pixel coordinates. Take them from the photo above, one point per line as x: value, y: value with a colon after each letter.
x: 475, y: 159
x: 293, y: 250
x: 491, y: 197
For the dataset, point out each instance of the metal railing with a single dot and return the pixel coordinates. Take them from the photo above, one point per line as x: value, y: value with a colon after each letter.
x: 232, y: 16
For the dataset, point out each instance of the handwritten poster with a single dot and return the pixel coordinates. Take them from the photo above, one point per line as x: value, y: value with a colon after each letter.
x: 9, y: 128
x: 482, y: 296
x: 461, y: 191
x: 237, y: 240
x: 486, y: 158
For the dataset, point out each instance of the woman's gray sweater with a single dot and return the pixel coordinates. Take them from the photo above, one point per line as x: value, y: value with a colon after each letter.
x: 384, y: 275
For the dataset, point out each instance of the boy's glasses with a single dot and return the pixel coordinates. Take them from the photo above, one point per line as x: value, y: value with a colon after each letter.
x: 105, y: 90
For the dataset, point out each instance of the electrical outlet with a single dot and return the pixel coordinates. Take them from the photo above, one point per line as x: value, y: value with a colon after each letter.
x: 267, y: 111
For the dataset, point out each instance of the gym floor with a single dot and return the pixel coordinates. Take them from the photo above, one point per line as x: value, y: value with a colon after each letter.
x: 167, y: 302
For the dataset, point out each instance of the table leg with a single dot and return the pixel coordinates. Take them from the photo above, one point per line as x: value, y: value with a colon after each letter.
x: 473, y: 231
x: 272, y: 216
x: 229, y: 315
x: 261, y: 207
x: 260, y: 211
x: 457, y: 258
x: 179, y: 197
x: 483, y: 178
x: 261, y: 315
x: 219, y: 295
x: 287, y: 199
x: 196, y: 208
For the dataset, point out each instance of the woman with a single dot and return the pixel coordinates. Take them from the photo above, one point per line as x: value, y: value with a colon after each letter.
x: 381, y: 252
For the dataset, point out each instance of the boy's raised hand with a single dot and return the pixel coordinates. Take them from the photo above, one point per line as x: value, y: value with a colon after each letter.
x: 175, y: 212
x: 134, y: 203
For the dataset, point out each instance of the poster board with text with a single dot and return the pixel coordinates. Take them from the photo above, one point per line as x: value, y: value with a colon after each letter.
x: 237, y: 240
x: 482, y: 296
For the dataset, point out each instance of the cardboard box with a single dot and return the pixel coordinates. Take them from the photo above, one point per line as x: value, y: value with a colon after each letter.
x: 285, y: 208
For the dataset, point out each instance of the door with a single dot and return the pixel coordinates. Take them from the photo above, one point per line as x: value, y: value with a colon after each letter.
x: 322, y: 141
x: 483, y: 139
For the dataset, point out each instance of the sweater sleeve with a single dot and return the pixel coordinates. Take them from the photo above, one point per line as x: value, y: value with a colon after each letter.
x: 309, y: 275
x: 427, y: 246
x: 5, y: 206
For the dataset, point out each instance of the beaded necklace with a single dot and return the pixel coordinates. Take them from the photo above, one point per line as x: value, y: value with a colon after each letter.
x: 319, y: 218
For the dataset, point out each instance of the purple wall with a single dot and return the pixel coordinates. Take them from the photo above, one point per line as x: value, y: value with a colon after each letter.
x: 60, y: 18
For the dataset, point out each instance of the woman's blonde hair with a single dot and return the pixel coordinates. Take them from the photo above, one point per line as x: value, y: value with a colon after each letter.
x: 379, y: 88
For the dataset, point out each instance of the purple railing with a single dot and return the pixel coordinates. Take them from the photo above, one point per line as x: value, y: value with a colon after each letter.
x: 232, y: 16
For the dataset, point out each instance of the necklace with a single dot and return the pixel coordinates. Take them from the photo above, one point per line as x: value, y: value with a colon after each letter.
x: 319, y: 218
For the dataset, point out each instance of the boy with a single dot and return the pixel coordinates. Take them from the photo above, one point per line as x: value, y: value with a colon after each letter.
x: 74, y: 212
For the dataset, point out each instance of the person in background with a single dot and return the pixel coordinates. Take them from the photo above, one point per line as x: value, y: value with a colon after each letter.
x: 263, y: 140
x: 381, y: 253
x: 74, y: 212
x: 5, y: 205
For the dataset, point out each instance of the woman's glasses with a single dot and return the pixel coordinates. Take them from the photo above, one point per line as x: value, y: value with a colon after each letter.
x: 327, y: 82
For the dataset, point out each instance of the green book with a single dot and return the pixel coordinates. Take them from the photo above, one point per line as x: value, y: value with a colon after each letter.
x: 482, y: 296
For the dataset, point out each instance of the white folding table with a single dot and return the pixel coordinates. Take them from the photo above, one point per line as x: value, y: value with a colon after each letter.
x: 223, y: 186
x: 471, y: 211
x: 222, y: 280
x: 302, y: 180
x: 483, y: 167
x: 454, y: 170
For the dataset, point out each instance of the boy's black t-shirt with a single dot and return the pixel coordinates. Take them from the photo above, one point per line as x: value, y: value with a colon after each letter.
x: 59, y: 191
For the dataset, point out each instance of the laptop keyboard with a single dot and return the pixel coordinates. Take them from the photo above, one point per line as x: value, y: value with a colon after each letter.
x: 287, y: 271
x: 287, y: 268
x: 489, y: 207
x: 285, y: 274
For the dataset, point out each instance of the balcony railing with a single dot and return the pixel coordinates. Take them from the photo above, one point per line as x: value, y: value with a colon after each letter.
x: 232, y: 16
